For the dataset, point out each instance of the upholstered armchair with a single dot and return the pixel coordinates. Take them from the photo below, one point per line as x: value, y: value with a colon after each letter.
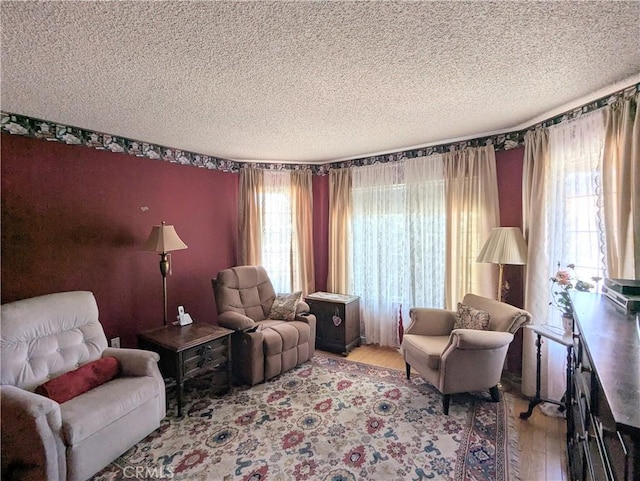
x: 265, y: 344
x: 44, y: 341
x: 456, y: 360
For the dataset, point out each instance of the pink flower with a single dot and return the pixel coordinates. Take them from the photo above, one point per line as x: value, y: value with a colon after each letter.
x: 563, y: 278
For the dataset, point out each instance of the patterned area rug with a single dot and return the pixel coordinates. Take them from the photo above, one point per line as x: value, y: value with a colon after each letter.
x: 330, y: 420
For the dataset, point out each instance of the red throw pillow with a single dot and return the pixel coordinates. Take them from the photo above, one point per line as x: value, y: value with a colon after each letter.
x: 73, y: 383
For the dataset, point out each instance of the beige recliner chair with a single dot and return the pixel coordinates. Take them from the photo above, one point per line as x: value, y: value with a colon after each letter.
x: 261, y: 348
x: 43, y: 338
x: 461, y: 360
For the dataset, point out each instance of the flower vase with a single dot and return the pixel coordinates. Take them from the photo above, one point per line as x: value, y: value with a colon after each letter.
x: 567, y: 323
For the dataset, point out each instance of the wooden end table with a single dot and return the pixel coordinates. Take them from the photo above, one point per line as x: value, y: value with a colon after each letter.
x: 189, y: 351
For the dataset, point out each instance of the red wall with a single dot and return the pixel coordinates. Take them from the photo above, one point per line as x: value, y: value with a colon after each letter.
x: 321, y: 230
x: 509, y: 164
x: 74, y: 218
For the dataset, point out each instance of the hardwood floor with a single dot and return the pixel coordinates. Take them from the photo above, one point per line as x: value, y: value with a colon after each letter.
x: 541, y: 438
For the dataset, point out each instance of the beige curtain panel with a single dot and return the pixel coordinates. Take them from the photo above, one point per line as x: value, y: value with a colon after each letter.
x: 338, y: 280
x: 534, y: 215
x: 250, y: 216
x: 621, y: 178
x: 302, y: 202
x: 471, y: 185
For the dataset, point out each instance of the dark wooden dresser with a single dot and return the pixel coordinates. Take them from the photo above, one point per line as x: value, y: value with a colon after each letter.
x: 603, y: 429
x: 338, y: 321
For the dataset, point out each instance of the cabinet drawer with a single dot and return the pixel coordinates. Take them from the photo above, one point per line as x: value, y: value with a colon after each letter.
x: 210, y: 355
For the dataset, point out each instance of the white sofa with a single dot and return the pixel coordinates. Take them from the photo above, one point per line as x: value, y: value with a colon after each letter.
x: 42, y: 338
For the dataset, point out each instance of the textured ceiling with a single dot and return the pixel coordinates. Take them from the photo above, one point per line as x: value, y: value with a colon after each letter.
x: 310, y: 81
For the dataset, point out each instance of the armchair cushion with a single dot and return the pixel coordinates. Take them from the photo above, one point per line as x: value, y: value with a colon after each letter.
x: 284, y: 306
x: 430, y: 347
x: 76, y: 382
x: 89, y: 413
x: 469, y: 318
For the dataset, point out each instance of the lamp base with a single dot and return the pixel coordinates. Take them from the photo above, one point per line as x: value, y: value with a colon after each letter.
x: 164, y: 268
x: 500, y: 269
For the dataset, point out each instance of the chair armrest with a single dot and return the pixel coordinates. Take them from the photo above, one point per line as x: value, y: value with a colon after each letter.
x: 472, y: 339
x: 235, y: 320
x: 31, y: 441
x: 134, y: 362
x: 306, y: 317
x: 302, y: 308
x: 430, y: 322
x: 247, y: 353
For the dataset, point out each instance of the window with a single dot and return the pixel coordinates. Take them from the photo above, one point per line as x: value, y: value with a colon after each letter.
x: 277, y: 230
x: 398, y: 244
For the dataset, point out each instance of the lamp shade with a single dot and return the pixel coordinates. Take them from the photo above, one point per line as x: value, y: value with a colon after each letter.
x: 505, y: 245
x: 163, y: 238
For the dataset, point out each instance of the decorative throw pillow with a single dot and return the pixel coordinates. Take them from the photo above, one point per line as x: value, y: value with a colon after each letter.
x: 73, y: 383
x: 284, y: 306
x: 469, y: 318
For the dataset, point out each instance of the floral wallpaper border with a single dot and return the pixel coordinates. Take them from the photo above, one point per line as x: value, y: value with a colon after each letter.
x: 52, y: 131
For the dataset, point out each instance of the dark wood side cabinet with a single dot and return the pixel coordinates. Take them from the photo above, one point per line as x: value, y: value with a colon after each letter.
x: 338, y: 321
x: 603, y: 427
x: 189, y: 351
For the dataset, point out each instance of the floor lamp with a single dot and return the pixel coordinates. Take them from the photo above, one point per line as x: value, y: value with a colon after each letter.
x: 162, y: 239
x: 505, y: 245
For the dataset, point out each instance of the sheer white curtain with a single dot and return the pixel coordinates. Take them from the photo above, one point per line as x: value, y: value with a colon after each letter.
x: 277, y: 230
x: 426, y: 232
x: 398, y: 242
x: 572, y: 229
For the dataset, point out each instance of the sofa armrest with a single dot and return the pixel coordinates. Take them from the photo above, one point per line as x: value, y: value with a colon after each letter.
x: 235, y: 320
x: 138, y: 363
x: 472, y: 339
x: 32, y: 446
x: 134, y: 362
x: 430, y: 322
